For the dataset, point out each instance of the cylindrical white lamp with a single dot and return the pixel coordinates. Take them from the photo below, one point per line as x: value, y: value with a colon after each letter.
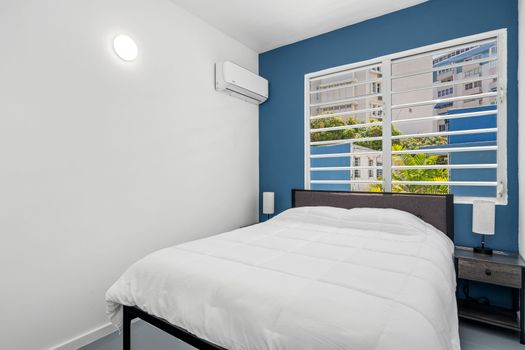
x: 268, y: 203
x: 483, y: 222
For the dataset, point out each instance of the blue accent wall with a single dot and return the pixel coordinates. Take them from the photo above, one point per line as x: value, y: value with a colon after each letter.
x: 281, y: 118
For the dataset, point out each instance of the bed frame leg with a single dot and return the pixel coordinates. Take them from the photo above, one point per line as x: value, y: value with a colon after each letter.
x: 126, y: 328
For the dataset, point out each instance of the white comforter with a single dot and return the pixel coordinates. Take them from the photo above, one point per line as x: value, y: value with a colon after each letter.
x: 310, y: 278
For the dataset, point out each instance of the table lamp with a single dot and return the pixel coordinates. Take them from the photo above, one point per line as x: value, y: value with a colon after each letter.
x: 268, y: 203
x: 483, y: 222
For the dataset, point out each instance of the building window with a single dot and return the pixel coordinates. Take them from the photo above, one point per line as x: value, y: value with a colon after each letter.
x: 376, y: 88
x: 357, y: 162
x: 473, y: 72
x: 435, y: 143
x: 446, y: 92
x: 473, y: 85
x: 379, y: 171
x: 376, y: 112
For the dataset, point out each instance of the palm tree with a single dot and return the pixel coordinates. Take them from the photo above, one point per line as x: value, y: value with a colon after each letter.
x: 416, y: 174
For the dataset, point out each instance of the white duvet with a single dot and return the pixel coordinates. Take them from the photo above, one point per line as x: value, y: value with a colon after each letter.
x: 310, y: 278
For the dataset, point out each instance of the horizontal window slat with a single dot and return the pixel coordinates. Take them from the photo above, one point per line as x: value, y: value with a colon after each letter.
x: 443, y: 100
x: 345, y: 182
x: 347, y: 71
x: 345, y: 127
x: 346, y: 100
x: 444, y: 50
x: 357, y: 83
x: 450, y: 66
x: 448, y: 183
x: 345, y: 141
x: 470, y: 199
x: 446, y: 133
x: 448, y: 83
x: 449, y: 166
x: 345, y: 168
x: 448, y: 116
x: 447, y: 150
x: 415, y: 151
x: 347, y: 113
x: 344, y: 155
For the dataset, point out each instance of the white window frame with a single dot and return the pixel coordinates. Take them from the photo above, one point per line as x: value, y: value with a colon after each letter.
x: 385, y: 62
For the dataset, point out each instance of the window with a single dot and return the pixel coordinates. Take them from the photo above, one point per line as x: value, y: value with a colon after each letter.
x: 447, y: 91
x: 357, y: 162
x: 379, y: 170
x: 432, y: 120
x: 473, y: 85
x: 376, y: 88
x: 473, y: 72
x: 376, y: 110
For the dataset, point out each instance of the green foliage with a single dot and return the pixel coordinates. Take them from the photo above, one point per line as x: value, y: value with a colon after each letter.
x: 403, y: 144
x: 416, y: 142
x: 346, y: 134
x: 416, y: 174
x: 375, y: 131
x: 330, y: 135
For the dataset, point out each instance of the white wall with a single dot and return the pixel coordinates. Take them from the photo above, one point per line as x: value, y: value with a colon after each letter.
x: 103, y: 161
x: 521, y: 122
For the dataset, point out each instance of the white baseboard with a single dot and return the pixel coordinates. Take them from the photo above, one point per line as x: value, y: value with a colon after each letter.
x: 86, y: 338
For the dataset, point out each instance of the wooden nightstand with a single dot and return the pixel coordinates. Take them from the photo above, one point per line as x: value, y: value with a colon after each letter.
x: 501, y: 268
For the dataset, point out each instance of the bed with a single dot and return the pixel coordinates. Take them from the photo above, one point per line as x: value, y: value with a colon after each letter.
x: 339, y: 270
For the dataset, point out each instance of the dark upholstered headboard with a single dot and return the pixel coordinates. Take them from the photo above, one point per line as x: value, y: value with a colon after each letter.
x: 436, y: 209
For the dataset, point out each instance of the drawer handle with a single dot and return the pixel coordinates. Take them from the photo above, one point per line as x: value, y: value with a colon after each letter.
x: 488, y: 272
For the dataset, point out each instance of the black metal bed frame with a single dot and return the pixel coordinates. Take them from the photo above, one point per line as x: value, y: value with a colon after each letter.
x: 132, y: 312
x: 300, y: 198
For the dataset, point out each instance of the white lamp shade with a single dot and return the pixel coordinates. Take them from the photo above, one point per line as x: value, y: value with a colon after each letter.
x: 268, y: 202
x: 483, y: 217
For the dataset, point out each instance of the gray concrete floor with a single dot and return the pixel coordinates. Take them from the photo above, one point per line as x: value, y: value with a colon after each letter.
x: 475, y: 336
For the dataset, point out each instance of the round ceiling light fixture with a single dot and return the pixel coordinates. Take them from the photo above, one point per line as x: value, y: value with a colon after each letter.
x: 125, y: 48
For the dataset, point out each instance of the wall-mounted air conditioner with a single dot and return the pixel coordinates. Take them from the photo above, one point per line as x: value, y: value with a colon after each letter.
x: 240, y: 82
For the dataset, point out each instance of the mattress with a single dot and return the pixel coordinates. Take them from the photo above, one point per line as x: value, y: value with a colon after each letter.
x: 310, y: 278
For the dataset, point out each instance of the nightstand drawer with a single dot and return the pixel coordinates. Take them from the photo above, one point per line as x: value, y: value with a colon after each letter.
x: 503, y: 275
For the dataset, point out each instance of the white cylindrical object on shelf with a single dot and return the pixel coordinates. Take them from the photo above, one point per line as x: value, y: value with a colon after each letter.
x: 268, y: 202
x: 483, y: 217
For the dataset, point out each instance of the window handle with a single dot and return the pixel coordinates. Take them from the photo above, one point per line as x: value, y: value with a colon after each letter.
x: 502, y: 94
x: 500, y: 189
